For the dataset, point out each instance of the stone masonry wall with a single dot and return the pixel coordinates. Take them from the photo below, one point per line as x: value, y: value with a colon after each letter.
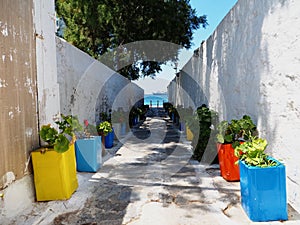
x: 250, y: 65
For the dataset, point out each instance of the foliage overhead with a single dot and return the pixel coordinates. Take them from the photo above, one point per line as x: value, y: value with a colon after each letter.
x: 104, y: 27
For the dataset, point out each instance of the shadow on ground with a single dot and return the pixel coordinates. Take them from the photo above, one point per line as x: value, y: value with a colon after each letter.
x: 106, y: 206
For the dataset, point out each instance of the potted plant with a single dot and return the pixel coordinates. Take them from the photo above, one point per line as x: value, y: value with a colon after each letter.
x: 207, y: 120
x: 109, y: 139
x: 54, y: 165
x: 229, y: 136
x: 184, y: 114
x: 119, y: 123
x: 262, y: 182
x: 192, y: 128
x: 133, y: 116
x: 142, y: 110
x: 188, y: 128
x: 88, y: 149
x: 103, y: 129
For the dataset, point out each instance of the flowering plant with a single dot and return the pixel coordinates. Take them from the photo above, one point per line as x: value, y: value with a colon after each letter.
x: 89, y: 129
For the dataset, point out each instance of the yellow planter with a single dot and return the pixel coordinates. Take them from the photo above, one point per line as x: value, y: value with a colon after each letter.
x: 189, y: 134
x: 54, y: 174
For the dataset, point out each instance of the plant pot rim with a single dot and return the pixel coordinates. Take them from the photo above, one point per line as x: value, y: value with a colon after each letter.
x: 279, y: 164
x: 88, y: 138
x: 44, y: 149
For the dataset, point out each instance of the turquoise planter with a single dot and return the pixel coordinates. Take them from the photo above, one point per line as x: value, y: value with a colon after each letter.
x: 88, y: 154
x: 109, y: 139
x: 263, y: 192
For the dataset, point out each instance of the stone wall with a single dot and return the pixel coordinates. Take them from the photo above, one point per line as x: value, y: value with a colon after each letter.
x: 250, y: 65
x: 88, y: 87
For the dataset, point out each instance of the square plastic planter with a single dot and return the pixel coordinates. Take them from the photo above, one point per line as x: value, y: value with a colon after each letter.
x: 229, y: 169
x: 189, y: 134
x: 263, y: 192
x: 88, y: 154
x: 54, y: 174
x: 109, y: 139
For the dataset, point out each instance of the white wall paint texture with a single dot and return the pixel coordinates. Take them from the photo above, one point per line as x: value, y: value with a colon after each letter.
x: 48, y: 99
x: 250, y: 65
x: 84, y: 81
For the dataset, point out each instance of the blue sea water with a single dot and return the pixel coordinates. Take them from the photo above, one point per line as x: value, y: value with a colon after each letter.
x: 155, y: 100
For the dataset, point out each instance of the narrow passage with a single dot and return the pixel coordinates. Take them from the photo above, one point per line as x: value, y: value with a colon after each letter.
x: 153, y: 180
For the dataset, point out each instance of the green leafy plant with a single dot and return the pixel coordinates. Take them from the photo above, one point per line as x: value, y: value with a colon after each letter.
x: 48, y: 134
x: 104, y: 128
x: 252, y: 152
x: 207, y: 120
x: 142, y: 110
x: 60, y: 139
x: 236, y: 131
x: 69, y: 124
x: 89, y: 130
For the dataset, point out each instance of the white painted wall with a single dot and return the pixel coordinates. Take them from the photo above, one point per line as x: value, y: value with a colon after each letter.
x: 250, y: 65
x: 45, y: 27
x: 84, y: 82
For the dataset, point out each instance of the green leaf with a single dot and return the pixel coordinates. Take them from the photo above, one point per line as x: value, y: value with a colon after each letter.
x: 104, y: 128
x: 228, y: 138
x: 97, y: 27
x: 220, y: 138
x: 48, y: 134
x: 61, y: 144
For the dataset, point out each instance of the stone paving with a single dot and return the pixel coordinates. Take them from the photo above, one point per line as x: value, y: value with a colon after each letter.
x: 149, y: 177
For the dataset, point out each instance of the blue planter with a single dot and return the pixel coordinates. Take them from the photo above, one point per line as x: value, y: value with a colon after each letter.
x: 173, y: 117
x: 263, y: 192
x: 123, y: 129
x: 135, y: 120
x: 109, y: 139
x: 88, y: 154
x: 182, y: 126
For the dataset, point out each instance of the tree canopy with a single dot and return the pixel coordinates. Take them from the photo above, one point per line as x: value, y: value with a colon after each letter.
x: 103, y: 27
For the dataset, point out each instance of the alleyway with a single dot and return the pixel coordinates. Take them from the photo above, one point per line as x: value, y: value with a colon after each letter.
x: 148, y: 179
x: 151, y: 180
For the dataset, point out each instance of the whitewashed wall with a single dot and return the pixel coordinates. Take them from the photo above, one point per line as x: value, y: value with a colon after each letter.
x: 45, y: 27
x: 84, y: 83
x: 250, y: 65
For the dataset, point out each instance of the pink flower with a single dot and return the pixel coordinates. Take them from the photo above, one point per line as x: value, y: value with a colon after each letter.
x: 86, y: 122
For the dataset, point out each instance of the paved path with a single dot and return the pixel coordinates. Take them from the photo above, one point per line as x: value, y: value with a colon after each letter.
x: 149, y: 179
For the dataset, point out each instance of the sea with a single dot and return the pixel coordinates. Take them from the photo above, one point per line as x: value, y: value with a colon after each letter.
x: 156, y: 100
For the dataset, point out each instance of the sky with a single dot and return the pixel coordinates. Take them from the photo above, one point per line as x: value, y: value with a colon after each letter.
x: 215, y: 10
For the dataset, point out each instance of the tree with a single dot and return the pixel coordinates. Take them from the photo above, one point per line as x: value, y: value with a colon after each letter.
x: 103, y: 27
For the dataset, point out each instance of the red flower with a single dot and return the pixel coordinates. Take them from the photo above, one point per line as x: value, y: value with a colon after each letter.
x: 86, y: 122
